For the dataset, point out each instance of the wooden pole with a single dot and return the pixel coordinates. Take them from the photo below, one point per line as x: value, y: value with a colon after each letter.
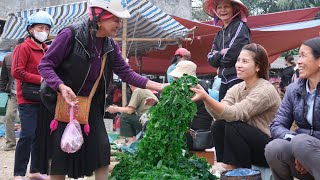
x: 143, y: 39
x: 140, y: 64
x: 160, y: 39
x: 154, y: 39
x: 124, y: 55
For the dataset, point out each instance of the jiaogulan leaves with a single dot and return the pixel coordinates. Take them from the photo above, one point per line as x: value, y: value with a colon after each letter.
x: 160, y: 153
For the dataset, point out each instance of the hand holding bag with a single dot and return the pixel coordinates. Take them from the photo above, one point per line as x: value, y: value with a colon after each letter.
x: 81, y: 109
x: 72, y: 138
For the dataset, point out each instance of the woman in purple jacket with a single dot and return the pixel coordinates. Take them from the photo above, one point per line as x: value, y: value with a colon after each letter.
x: 297, y: 153
x: 71, y: 66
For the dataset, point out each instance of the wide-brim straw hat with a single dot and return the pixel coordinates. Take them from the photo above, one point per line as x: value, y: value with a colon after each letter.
x: 210, y: 5
x: 184, y: 67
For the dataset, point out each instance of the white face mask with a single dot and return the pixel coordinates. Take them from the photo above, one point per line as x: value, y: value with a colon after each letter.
x: 41, y: 36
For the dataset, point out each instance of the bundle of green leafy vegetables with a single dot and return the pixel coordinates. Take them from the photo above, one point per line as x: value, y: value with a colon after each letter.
x: 160, y: 153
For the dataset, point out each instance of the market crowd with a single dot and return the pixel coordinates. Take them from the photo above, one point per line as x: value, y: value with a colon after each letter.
x: 251, y: 121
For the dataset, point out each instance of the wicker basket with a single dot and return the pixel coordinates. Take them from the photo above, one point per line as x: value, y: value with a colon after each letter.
x: 248, y: 177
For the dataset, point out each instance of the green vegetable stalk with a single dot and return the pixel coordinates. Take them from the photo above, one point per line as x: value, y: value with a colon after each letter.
x: 169, y: 121
x: 159, y: 154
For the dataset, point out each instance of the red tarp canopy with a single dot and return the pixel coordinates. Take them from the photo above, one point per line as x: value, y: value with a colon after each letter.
x: 275, y: 42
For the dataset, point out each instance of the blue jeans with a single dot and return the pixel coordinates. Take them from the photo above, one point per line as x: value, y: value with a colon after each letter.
x: 29, y: 114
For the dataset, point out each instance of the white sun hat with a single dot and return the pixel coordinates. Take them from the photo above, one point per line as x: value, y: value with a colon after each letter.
x: 184, y: 67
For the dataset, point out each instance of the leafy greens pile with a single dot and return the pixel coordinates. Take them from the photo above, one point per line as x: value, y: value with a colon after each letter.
x: 160, y: 152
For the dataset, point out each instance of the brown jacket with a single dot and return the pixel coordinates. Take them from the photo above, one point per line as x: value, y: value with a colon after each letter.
x: 6, y: 79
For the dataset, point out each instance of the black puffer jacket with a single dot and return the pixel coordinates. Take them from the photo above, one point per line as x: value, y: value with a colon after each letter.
x: 286, y: 76
x: 293, y: 109
x: 234, y: 37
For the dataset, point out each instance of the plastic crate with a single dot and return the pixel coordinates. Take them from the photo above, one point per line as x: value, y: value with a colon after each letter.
x: 3, y: 103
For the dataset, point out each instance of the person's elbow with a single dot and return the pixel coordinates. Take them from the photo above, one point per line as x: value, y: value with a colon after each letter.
x: 15, y: 73
x: 130, y: 110
x: 213, y: 62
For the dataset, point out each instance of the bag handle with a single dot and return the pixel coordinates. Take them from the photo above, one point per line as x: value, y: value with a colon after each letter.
x: 71, y: 113
x: 94, y: 88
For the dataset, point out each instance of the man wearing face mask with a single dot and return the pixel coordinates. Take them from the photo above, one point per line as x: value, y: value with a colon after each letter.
x: 26, y: 58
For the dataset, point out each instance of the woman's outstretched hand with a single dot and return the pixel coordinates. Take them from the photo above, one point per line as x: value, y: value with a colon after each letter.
x: 200, y: 93
x: 156, y: 86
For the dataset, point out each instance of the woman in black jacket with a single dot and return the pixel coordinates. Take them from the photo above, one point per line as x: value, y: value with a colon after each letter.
x: 287, y: 73
x: 227, y: 44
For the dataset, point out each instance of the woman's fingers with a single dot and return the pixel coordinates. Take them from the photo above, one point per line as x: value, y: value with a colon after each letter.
x: 197, y: 95
x: 68, y: 95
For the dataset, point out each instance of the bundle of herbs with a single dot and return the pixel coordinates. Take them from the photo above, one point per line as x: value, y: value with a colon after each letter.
x: 160, y: 153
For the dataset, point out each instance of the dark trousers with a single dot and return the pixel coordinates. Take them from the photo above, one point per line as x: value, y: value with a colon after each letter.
x: 281, y: 155
x: 224, y: 88
x: 129, y: 125
x: 29, y: 114
x: 239, y: 144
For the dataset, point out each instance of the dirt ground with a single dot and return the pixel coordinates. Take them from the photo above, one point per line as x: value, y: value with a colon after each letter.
x: 7, y: 159
x: 7, y: 163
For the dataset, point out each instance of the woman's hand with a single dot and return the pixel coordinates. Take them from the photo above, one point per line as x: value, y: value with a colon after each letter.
x: 300, y: 168
x: 200, y: 93
x: 150, y: 101
x: 161, y: 86
x: 224, y: 51
x: 68, y: 95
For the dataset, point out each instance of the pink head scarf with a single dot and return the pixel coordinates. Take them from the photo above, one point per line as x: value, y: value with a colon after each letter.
x: 97, y: 11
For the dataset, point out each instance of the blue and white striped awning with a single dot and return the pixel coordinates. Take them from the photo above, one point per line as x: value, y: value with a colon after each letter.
x: 63, y: 15
x: 147, y: 21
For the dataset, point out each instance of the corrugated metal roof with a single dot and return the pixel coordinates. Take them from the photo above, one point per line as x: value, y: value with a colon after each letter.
x: 280, y: 62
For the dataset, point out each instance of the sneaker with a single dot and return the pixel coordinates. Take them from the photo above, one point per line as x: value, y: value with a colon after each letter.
x: 9, y: 147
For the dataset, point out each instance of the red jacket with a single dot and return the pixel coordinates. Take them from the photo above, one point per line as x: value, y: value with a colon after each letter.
x: 25, y: 60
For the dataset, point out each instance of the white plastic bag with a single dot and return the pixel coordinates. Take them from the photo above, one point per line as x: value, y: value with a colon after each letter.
x: 72, y: 138
x: 144, y: 118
